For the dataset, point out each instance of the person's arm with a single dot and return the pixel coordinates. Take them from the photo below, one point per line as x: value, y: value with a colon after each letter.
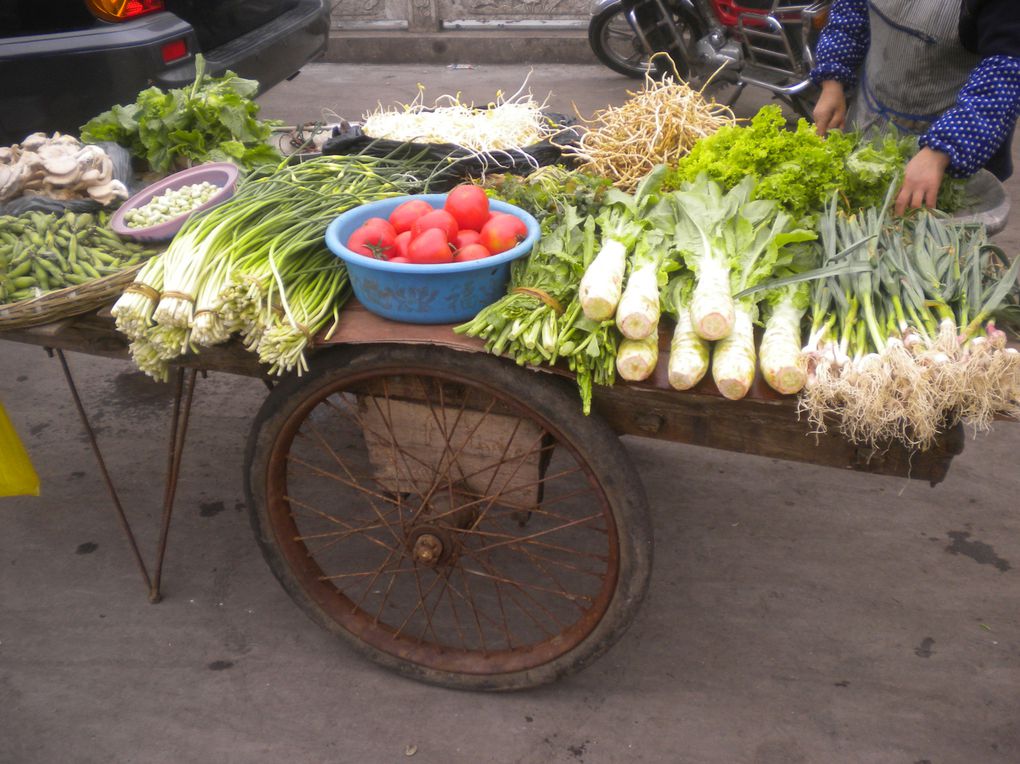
x: 965, y: 137
x: 841, y: 49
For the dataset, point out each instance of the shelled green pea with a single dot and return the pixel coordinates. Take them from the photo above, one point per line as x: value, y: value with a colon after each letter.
x: 170, y: 204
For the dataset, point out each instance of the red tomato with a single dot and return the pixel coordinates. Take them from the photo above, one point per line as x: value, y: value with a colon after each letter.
x: 429, y: 248
x: 400, y: 243
x: 470, y: 252
x: 503, y: 232
x: 399, y: 259
x: 436, y: 219
x: 380, y: 223
x: 372, y: 241
x: 469, y: 206
x: 465, y: 237
x: 404, y: 215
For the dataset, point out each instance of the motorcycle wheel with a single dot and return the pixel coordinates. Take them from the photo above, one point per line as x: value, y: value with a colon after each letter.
x: 615, y: 44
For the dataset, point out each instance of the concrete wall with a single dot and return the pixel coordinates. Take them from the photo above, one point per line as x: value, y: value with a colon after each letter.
x: 460, y: 31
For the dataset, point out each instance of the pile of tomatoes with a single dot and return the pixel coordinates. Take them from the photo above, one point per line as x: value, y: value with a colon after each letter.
x: 416, y: 232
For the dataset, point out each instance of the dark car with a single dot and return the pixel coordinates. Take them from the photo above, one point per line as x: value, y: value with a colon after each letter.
x: 63, y: 62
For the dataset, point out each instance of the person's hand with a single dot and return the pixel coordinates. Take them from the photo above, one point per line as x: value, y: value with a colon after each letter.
x: 921, y: 180
x: 830, y: 110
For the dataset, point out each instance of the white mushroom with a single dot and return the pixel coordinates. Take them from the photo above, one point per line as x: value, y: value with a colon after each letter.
x: 59, y: 167
x: 65, y: 140
x: 58, y: 160
x: 34, y: 141
x: 107, y: 192
x: 10, y: 182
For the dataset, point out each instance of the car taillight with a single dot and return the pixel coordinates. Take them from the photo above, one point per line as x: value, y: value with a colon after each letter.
x: 122, y: 10
x: 174, y: 50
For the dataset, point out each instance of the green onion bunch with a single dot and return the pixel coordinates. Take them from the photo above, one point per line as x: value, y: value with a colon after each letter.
x: 905, y: 344
x: 257, y: 265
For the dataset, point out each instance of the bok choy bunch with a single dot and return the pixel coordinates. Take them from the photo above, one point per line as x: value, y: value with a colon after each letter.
x: 621, y: 224
x: 729, y: 244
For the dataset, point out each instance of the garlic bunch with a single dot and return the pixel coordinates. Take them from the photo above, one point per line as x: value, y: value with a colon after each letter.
x: 58, y: 167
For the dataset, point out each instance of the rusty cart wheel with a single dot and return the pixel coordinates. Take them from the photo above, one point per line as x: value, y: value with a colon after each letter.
x: 450, y: 515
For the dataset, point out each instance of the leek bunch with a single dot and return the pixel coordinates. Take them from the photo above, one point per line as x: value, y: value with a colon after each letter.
x: 257, y: 266
x: 907, y: 346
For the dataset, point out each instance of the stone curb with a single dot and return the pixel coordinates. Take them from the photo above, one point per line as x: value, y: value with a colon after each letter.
x: 460, y: 47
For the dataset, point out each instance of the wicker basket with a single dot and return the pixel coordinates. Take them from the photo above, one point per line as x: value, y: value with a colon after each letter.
x: 66, y: 302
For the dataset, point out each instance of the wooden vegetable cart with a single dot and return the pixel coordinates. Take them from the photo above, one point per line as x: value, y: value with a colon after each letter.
x: 453, y: 516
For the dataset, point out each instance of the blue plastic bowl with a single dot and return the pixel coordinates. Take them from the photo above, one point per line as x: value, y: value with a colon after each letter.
x: 425, y: 294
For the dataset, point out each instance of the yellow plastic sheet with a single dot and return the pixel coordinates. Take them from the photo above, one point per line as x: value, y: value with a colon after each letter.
x: 17, y: 475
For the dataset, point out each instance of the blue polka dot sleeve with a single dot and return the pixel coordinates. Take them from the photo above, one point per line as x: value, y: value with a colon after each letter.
x: 986, y: 109
x: 843, y: 43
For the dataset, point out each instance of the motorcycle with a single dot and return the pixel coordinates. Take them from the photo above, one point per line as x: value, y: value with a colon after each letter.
x: 762, y: 43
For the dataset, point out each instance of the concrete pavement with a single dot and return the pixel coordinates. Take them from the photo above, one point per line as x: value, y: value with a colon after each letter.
x: 796, y: 614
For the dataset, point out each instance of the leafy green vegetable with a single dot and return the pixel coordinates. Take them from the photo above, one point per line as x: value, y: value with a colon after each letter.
x: 214, y: 119
x: 801, y: 170
x: 796, y: 168
x: 550, y: 189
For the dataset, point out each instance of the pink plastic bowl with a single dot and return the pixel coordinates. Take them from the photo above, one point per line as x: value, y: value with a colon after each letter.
x: 222, y: 174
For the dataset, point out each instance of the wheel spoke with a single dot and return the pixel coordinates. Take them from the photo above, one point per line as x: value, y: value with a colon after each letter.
x: 571, y: 524
x: 574, y: 598
x: 373, y: 539
x: 497, y: 580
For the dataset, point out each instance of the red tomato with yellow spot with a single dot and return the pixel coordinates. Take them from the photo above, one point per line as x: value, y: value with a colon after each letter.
x: 503, y: 232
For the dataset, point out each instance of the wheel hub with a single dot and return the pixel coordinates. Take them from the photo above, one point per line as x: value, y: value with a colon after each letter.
x: 427, y: 549
x: 432, y: 544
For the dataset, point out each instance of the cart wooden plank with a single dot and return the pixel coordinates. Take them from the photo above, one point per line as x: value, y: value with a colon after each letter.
x: 763, y: 424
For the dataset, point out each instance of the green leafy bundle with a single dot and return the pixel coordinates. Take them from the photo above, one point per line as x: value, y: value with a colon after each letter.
x: 801, y: 170
x: 797, y: 168
x: 212, y: 120
x: 549, y: 190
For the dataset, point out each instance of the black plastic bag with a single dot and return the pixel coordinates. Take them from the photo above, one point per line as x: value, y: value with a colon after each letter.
x: 455, y: 163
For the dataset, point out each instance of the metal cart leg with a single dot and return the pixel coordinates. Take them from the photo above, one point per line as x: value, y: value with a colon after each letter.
x: 183, y: 398
x: 178, y: 430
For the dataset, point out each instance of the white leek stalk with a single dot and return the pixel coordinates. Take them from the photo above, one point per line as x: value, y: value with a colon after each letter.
x: 636, y: 359
x: 637, y: 316
x: 688, y: 353
x: 783, y: 363
x: 602, y: 282
x: 733, y: 360
x: 712, y: 308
